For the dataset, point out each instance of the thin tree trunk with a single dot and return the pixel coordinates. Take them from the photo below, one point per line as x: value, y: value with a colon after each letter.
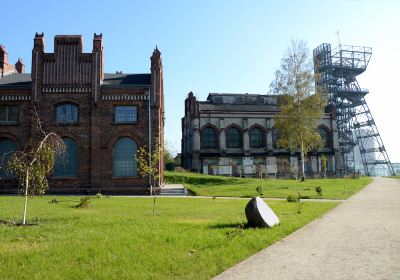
x: 302, y: 161
x: 26, y: 196
x: 154, y: 204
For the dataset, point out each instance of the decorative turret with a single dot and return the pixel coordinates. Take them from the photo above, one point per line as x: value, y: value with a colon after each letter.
x: 39, y: 42
x: 98, y: 48
x: 37, y: 65
x: 156, y: 78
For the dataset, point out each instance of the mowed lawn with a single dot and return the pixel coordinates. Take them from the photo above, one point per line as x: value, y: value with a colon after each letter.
x: 118, y: 238
x: 208, y: 185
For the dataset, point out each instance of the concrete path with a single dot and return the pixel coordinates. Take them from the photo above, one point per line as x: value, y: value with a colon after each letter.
x: 359, y: 239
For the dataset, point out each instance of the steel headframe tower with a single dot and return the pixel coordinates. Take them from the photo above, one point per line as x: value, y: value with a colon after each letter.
x: 336, y: 71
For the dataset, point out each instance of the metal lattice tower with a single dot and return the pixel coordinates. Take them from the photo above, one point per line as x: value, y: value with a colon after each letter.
x: 337, y: 70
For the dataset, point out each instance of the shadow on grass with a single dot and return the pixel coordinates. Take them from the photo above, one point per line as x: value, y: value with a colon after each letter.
x: 202, y: 181
x: 229, y: 226
x: 15, y: 223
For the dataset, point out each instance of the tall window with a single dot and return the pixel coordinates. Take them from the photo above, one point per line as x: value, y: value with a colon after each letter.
x: 324, y: 137
x: 125, y: 164
x: 256, y: 138
x: 67, y: 166
x: 7, y: 147
x: 67, y: 114
x: 209, y: 138
x: 125, y: 114
x: 8, y: 114
x: 233, y: 138
x: 275, y: 138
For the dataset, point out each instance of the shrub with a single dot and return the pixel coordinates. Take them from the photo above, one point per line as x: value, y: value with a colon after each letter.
x: 259, y: 190
x: 84, y: 202
x: 293, y: 198
x: 99, y: 195
x: 318, y: 190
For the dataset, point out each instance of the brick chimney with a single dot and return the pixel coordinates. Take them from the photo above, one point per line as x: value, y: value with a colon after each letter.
x: 20, y: 66
x: 3, y: 57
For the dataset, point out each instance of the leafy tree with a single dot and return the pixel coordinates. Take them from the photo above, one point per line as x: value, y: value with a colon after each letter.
x: 149, y: 165
x: 324, y: 164
x: 32, y: 165
x: 168, y: 154
x: 301, y: 102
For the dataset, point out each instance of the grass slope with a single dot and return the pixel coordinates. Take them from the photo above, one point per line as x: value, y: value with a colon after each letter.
x: 118, y: 238
x: 209, y: 185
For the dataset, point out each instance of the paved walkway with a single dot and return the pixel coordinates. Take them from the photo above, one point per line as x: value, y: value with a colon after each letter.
x: 359, y: 239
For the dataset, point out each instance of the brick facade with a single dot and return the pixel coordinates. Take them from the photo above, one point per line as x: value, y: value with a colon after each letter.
x: 69, y: 76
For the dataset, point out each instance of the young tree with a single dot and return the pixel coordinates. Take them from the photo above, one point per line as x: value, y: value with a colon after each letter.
x: 149, y: 166
x: 324, y: 164
x: 301, y: 102
x: 32, y: 166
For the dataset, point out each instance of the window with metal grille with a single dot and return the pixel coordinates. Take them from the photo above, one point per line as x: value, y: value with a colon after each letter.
x: 67, y: 114
x: 125, y: 114
x: 8, y: 114
x: 67, y: 166
x: 125, y: 164
x: 209, y: 138
x: 7, y: 147
x: 233, y: 138
x: 256, y: 138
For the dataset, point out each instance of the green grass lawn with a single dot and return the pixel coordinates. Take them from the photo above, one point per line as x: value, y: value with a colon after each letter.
x: 209, y: 185
x: 118, y: 238
x: 394, y: 177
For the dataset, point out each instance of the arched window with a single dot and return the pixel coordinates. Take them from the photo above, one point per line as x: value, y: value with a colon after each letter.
x: 233, y: 138
x: 67, y: 166
x: 67, y: 114
x: 125, y: 158
x: 209, y: 138
x: 324, y: 137
x: 256, y: 138
x: 275, y: 138
x: 7, y: 147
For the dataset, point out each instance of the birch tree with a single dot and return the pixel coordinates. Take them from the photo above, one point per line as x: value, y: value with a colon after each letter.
x: 149, y: 166
x: 32, y: 165
x: 301, y: 103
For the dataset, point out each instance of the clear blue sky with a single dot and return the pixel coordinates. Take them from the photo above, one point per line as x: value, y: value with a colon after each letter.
x: 219, y: 46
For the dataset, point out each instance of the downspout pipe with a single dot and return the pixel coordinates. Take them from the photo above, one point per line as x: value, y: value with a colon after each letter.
x: 149, y: 101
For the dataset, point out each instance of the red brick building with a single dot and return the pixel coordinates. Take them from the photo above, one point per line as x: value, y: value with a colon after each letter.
x: 102, y: 118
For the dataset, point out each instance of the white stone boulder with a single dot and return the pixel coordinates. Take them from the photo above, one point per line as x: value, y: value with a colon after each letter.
x: 259, y: 214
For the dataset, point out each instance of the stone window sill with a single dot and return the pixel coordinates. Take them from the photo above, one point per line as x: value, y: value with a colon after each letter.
x: 64, y: 177
x: 124, y: 178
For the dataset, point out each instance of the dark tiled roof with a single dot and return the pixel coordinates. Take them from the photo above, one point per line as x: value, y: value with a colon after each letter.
x: 16, y: 80
x: 205, y: 106
x: 24, y: 80
x: 126, y: 80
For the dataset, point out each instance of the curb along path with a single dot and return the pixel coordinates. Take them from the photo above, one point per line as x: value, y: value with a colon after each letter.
x: 359, y: 239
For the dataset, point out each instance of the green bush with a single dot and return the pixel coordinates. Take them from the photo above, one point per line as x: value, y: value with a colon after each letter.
x: 318, y: 190
x: 293, y: 198
x: 84, y: 202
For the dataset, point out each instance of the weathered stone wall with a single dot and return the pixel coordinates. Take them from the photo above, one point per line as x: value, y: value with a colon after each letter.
x: 195, y: 157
